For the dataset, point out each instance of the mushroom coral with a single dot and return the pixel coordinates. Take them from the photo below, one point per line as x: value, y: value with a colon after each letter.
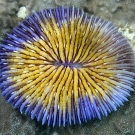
x: 63, y: 66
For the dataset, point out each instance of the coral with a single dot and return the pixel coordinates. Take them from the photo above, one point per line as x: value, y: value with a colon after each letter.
x: 112, y: 125
x: 61, y: 74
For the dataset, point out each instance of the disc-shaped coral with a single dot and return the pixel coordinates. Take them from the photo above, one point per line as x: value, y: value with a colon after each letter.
x: 63, y: 66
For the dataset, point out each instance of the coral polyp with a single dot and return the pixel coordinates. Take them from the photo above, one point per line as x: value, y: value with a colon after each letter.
x: 63, y: 66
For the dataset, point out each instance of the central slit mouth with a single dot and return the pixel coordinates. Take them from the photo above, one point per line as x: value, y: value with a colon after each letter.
x: 69, y: 64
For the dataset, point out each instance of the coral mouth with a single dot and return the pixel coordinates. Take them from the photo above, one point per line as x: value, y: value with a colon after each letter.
x: 69, y: 64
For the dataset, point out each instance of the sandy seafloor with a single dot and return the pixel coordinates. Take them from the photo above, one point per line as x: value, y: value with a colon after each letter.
x: 121, y: 122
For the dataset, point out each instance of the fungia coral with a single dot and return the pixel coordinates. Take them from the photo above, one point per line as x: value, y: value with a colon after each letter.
x: 62, y: 66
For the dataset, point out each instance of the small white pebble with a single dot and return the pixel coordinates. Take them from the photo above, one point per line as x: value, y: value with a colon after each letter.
x: 22, y: 12
x: 55, y: 133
